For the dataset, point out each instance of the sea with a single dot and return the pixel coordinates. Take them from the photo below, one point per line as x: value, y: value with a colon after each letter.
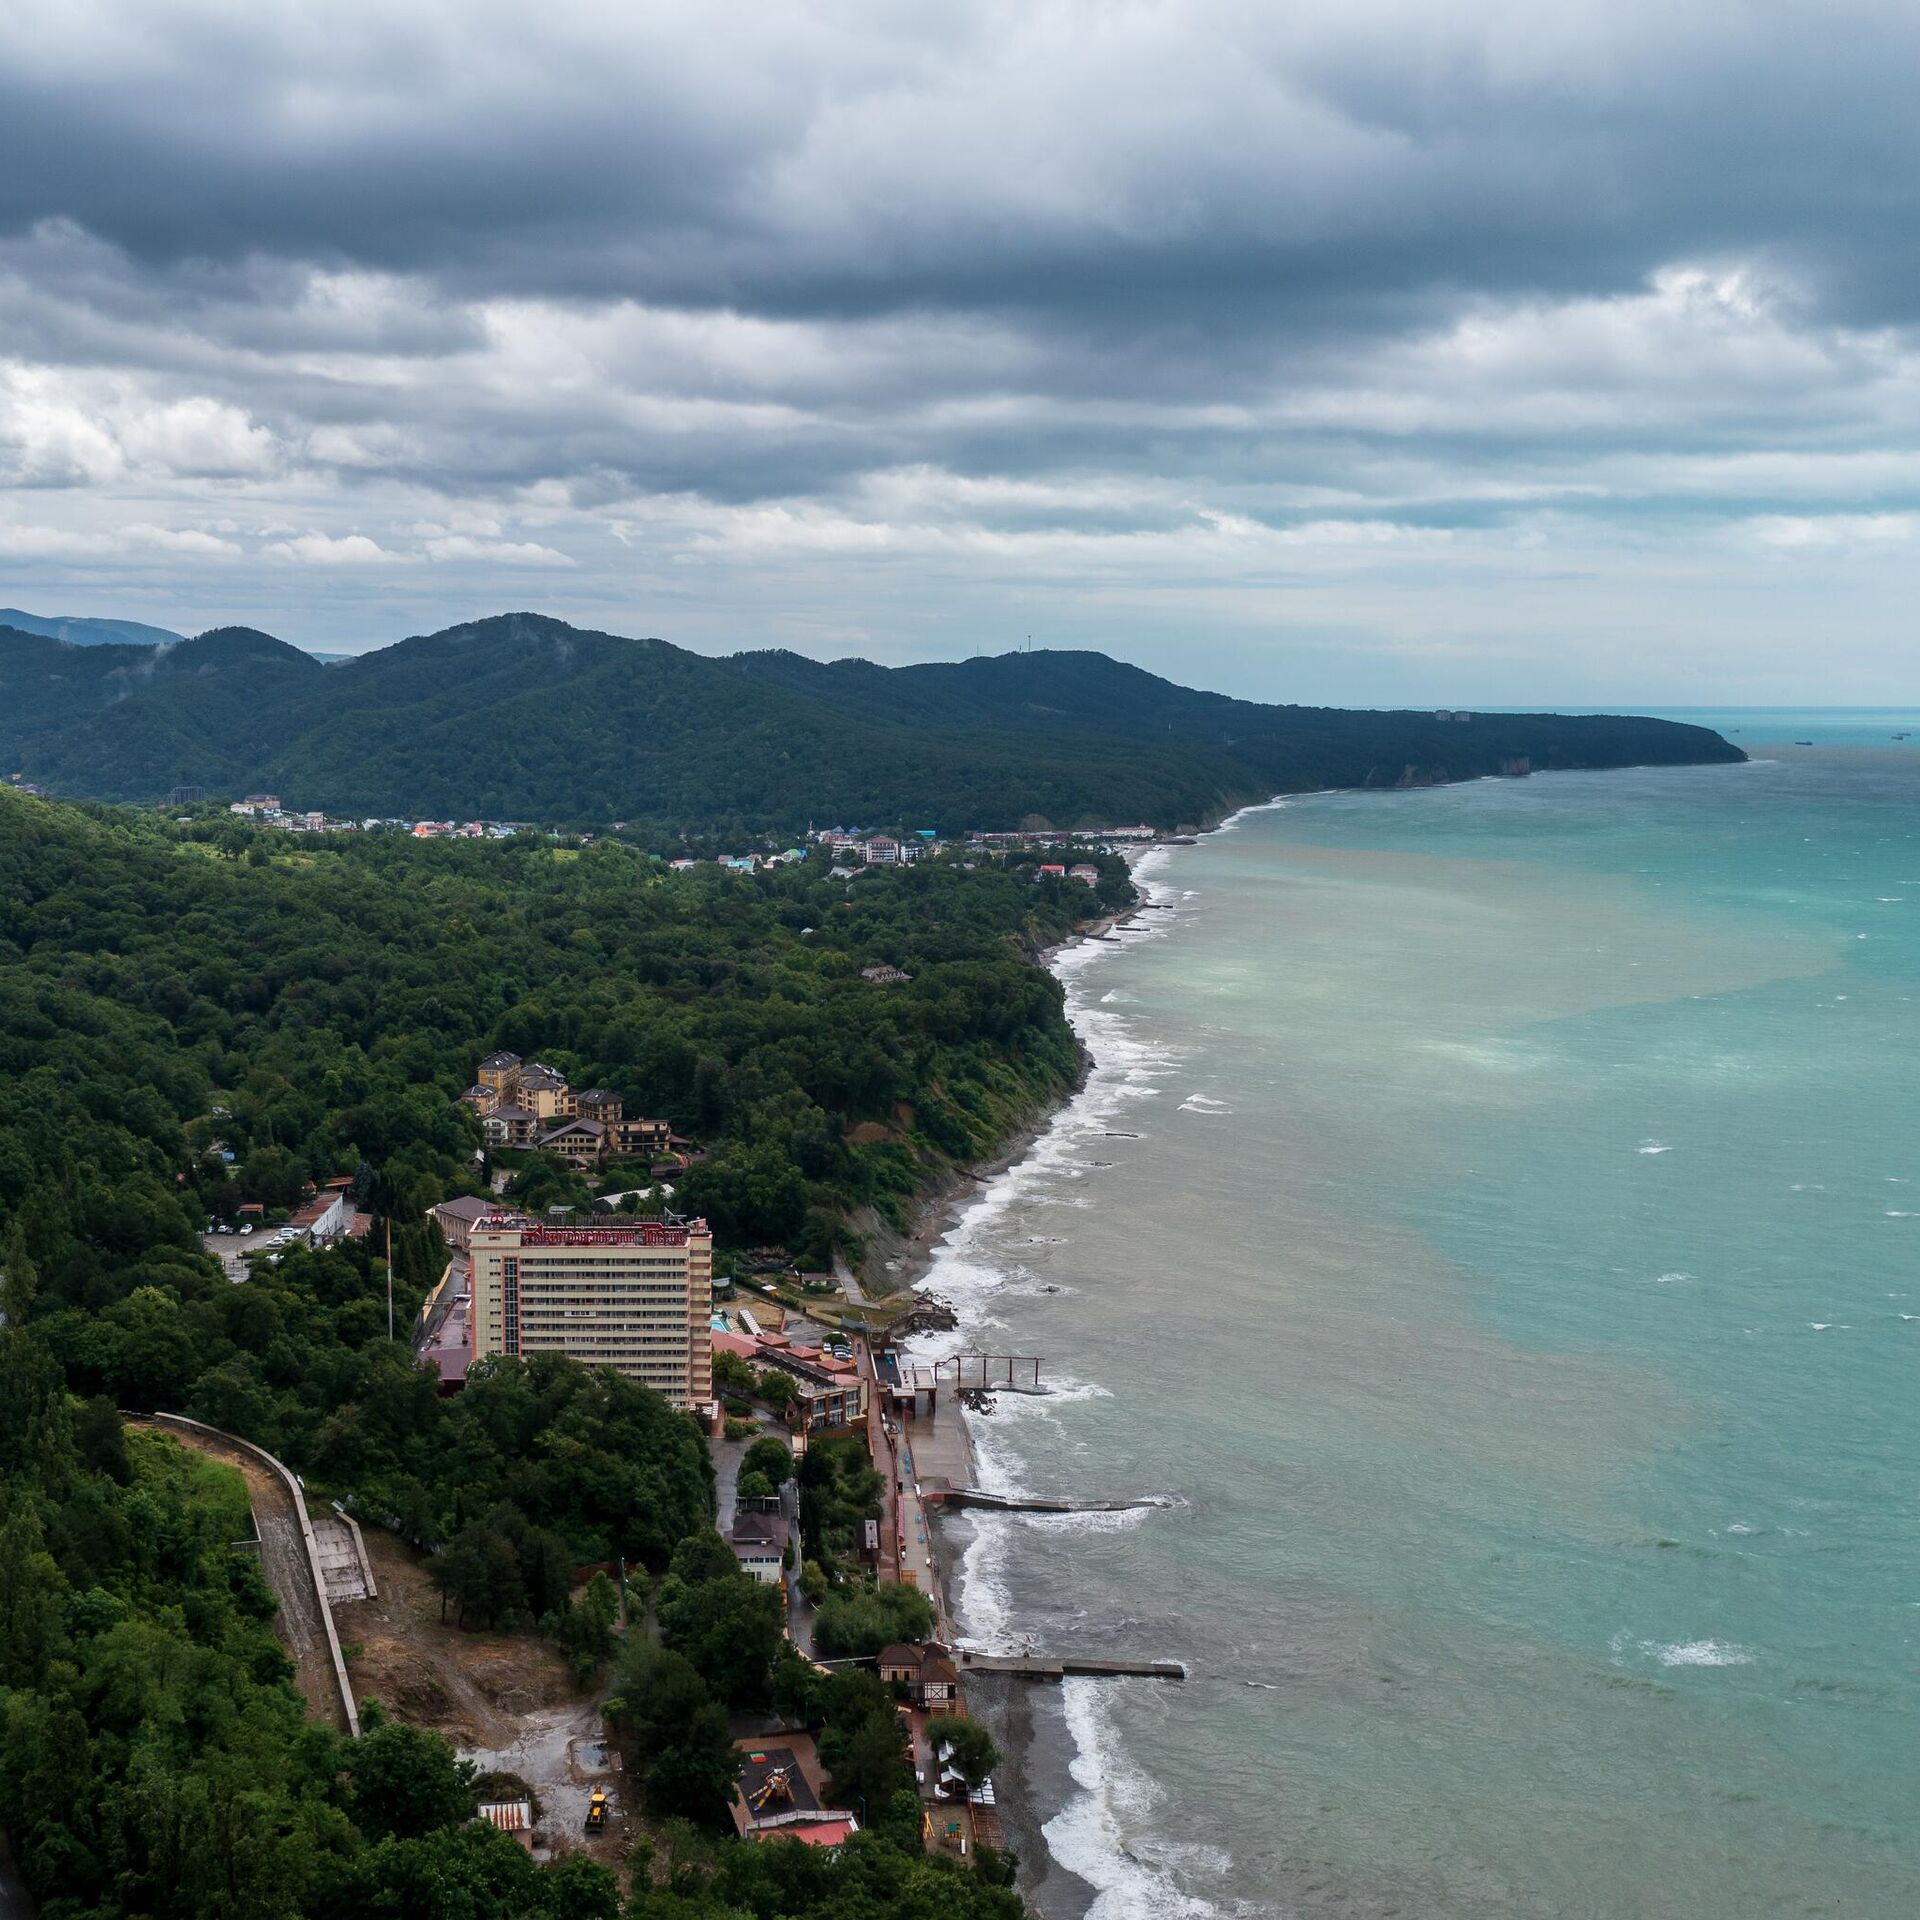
x: 1491, y: 1232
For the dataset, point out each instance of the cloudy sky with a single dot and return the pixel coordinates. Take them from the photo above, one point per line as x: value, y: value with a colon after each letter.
x: 1482, y: 350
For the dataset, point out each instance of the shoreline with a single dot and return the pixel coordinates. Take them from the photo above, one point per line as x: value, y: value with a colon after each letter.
x: 1029, y: 1737
x: 943, y: 1211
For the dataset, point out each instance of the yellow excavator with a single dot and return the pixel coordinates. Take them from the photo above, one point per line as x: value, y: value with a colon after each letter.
x: 597, y: 1811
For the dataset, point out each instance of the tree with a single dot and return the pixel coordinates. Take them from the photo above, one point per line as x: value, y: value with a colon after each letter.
x: 722, y: 1619
x: 586, y: 1631
x: 731, y: 1371
x: 864, y: 1620
x: 966, y: 1746
x: 865, y: 1755
x: 408, y: 1782
x: 768, y: 1456
x: 777, y: 1389
x: 480, y: 1573
x: 676, y: 1733
x: 20, y: 1279
x: 30, y: 1591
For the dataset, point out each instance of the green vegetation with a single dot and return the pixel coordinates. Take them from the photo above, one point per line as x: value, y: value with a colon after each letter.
x: 839, y: 1492
x: 155, y: 1759
x: 721, y: 1620
x: 674, y: 1732
x: 967, y: 1747
x: 865, y: 1880
x: 319, y: 1018
x: 862, y: 1620
x: 521, y: 717
x: 169, y: 996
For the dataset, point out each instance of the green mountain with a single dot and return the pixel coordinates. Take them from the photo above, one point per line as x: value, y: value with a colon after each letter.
x: 84, y: 632
x: 524, y: 717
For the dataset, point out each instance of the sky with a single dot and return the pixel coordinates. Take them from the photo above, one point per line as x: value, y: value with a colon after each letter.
x: 1480, y: 352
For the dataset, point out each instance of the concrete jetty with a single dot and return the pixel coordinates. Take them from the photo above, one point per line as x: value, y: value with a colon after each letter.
x: 1050, y: 1667
x: 1037, y: 1503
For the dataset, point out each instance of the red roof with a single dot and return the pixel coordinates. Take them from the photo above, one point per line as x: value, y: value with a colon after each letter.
x: 819, y: 1833
x: 642, y: 1233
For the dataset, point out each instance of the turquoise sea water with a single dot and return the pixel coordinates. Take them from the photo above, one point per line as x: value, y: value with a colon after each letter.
x: 1496, y: 1219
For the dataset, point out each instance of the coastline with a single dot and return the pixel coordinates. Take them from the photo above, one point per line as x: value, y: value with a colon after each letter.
x: 1038, y: 1748
x: 944, y: 1211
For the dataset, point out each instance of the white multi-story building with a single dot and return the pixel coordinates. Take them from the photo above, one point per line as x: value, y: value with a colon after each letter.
x: 634, y: 1295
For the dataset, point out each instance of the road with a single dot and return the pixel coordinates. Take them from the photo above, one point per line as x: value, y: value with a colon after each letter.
x: 727, y: 1455
x: 425, y: 1336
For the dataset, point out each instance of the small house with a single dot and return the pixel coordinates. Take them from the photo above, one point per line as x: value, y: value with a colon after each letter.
x: 926, y: 1674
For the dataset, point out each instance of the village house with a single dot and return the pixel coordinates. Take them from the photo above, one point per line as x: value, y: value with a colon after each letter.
x: 456, y: 1218
x: 581, y: 1142
x: 832, y: 1395
x: 759, y: 1542
x: 1087, y: 875
x: 885, y: 976
x: 514, y: 1817
x: 325, y: 1217
x: 927, y: 1674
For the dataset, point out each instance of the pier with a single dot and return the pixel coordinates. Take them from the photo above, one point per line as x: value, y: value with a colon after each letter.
x: 1045, y: 1667
x: 1039, y: 1503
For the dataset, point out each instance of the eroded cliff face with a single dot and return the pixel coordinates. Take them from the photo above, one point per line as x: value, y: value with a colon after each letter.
x: 1514, y: 766
x: 1410, y: 775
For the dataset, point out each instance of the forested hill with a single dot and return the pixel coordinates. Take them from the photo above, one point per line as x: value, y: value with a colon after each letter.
x: 524, y: 717
x: 196, y: 1016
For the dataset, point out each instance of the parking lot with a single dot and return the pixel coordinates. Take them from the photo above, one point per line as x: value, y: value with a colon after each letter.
x: 230, y: 1249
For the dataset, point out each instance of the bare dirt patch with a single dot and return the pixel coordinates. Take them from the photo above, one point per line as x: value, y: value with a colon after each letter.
x: 470, y: 1686
x: 506, y: 1701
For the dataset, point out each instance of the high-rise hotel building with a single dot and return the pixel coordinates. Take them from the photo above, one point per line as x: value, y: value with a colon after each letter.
x: 634, y: 1295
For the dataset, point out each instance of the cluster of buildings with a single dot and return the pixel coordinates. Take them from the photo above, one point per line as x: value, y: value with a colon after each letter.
x: 266, y: 810
x: 851, y: 848
x: 745, y: 862
x: 1042, y: 839
x: 831, y: 1390
x: 525, y: 1103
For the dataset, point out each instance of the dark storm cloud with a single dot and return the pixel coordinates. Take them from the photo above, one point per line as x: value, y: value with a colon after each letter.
x: 889, y: 323
x: 1198, y: 161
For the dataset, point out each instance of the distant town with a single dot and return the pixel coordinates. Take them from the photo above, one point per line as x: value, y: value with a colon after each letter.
x: 853, y: 849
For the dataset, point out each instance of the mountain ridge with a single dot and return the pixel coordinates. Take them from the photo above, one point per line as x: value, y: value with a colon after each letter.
x: 80, y: 630
x: 522, y: 716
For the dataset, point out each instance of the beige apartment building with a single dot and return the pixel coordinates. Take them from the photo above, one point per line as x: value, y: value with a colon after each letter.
x: 634, y: 1295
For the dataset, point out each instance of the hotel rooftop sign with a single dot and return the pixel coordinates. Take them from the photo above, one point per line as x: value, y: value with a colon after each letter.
x: 641, y: 1233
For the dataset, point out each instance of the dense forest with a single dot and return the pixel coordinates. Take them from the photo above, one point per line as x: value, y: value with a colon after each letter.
x: 313, y: 1006
x: 175, y: 993
x: 520, y: 717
